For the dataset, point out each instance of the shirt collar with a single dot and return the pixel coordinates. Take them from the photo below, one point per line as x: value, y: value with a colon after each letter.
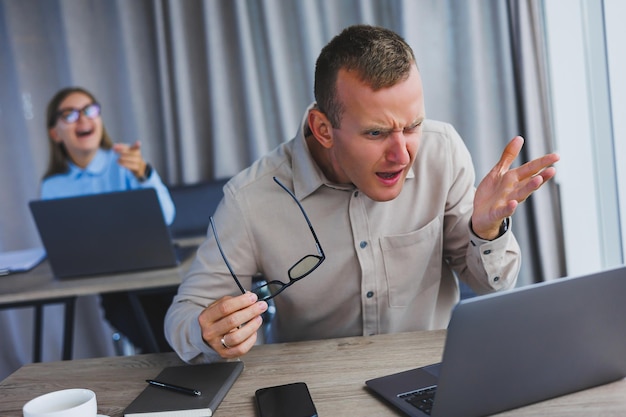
x: 96, y: 166
x: 307, y: 175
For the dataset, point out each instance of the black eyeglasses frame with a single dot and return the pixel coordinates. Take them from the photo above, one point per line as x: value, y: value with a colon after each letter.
x: 71, y: 115
x: 318, y: 259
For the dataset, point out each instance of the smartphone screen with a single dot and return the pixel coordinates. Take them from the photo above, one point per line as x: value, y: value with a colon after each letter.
x: 290, y: 400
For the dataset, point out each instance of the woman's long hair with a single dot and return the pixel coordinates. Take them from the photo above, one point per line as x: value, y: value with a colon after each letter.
x: 58, y: 154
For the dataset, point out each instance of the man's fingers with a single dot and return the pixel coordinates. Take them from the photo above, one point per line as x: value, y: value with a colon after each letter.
x: 547, y: 173
x: 240, y: 334
x: 530, y: 185
x: 228, y: 314
x: 228, y: 305
x: 510, y: 153
x: 228, y: 347
x: 230, y: 324
x: 540, y: 166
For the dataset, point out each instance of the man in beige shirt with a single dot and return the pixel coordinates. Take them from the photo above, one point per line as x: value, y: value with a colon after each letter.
x: 394, y: 216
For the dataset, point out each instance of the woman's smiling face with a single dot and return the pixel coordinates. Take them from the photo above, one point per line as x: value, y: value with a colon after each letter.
x: 81, y: 138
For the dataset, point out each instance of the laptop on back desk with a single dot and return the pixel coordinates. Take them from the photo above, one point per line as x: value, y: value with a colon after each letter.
x: 105, y: 233
x: 510, y: 349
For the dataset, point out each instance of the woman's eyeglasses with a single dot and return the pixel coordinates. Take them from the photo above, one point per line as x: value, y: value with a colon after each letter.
x: 299, y: 270
x: 70, y: 116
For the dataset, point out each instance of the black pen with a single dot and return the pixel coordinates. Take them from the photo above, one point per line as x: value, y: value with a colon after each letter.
x: 188, y: 391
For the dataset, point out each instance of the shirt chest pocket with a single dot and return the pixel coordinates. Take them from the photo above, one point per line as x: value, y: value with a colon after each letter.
x: 412, y: 263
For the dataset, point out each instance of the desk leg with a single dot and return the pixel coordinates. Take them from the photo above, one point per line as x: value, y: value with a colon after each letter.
x: 144, y: 324
x: 37, y: 335
x: 68, y: 328
x: 69, y: 305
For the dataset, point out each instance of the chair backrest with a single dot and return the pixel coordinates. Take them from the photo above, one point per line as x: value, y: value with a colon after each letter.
x: 194, y: 204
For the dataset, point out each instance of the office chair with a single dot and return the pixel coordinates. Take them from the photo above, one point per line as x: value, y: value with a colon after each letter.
x: 194, y: 204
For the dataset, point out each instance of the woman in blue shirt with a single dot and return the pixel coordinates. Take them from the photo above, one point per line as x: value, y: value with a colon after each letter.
x: 84, y: 160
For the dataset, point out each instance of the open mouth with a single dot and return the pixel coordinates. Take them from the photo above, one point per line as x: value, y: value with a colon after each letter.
x: 389, y: 175
x: 83, y: 133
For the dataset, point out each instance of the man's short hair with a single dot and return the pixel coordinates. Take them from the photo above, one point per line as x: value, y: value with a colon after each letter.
x: 380, y: 57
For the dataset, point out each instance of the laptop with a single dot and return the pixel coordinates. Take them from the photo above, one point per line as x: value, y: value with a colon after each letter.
x: 510, y: 349
x: 105, y: 233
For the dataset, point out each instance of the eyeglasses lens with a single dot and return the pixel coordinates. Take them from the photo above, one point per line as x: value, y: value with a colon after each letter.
x: 92, y: 111
x: 304, y: 266
x: 267, y: 291
x: 72, y: 115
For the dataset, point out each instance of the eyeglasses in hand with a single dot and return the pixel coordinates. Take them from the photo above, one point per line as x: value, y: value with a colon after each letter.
x: 72, y: 115
x: 299, y: 270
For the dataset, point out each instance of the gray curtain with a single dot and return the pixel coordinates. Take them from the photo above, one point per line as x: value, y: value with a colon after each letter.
x: 541, y: 231
x: 209, y: 86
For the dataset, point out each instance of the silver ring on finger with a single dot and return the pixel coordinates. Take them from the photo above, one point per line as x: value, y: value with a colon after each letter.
x: 224, y: 343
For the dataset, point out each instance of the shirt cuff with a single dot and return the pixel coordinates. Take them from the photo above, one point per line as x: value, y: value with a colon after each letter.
x: 493, y: 255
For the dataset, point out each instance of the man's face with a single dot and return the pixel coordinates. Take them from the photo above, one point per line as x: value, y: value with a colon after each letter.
x: 379, y: 135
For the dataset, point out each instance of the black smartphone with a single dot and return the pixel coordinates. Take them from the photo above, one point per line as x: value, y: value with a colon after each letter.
x: 289, y: 400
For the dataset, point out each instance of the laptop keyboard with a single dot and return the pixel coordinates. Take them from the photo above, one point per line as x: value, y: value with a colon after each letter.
x: 422, y: 399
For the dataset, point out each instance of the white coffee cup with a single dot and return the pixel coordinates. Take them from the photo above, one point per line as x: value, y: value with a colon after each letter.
x: 75, y: 402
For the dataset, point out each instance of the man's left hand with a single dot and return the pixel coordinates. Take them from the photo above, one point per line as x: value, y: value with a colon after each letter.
x: 500, y: 192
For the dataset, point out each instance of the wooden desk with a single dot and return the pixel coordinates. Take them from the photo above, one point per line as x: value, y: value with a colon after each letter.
x: 40, y: 283
x: 39, y: 287
x: 335, y: 371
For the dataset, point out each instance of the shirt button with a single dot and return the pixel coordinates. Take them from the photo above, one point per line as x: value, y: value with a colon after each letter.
x: 356, y: 193
x: 370, y: 294
x: 487, y: 252
x: 496, y: 279
x: 363, y: 244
